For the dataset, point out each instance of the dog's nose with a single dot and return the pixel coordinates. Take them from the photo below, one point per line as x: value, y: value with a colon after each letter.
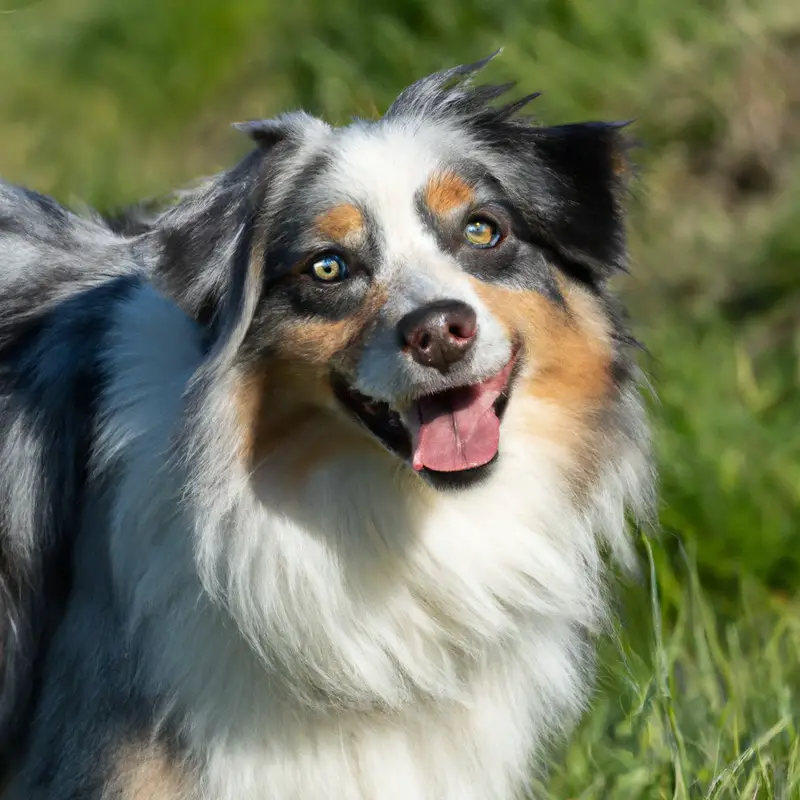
x: 439, y: 334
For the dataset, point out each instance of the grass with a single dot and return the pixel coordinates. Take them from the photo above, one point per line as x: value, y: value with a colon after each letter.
x: 700, y: 696
x: 708, y: 711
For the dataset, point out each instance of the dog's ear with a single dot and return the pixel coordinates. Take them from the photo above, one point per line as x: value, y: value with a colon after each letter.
x: 199, y: 238
x: 277, y: 139
x: 206, y: 242
x: 570, y: 182
x: 264, y: 132
x: 293, y: 126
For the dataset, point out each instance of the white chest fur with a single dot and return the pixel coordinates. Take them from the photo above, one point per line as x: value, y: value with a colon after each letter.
x: 364, y: 637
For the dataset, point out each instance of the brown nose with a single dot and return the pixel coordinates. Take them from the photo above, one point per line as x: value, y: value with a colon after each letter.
x: 439, y: 334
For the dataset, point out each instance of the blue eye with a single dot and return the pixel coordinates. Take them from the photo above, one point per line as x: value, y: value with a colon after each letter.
x: 329, y: 269
x: 482, y: 233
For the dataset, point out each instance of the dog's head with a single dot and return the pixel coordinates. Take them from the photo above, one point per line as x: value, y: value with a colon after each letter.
x: 415, y: 415
x: 402, y: 283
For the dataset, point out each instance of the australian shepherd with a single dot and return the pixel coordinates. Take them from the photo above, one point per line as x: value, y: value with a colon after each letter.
x: 308, y: 478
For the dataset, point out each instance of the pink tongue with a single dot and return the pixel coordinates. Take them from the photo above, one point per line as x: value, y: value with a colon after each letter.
x: 458, y: 429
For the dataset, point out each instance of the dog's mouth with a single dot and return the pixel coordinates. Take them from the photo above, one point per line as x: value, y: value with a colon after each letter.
x: 451, y: 438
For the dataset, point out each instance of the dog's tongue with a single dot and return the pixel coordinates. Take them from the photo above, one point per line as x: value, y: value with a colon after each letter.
x: 458, y: 429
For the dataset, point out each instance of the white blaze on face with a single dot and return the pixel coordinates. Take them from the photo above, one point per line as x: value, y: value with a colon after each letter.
x: 384, y: 169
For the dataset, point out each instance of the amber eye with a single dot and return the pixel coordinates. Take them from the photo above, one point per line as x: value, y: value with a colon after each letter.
x: 329, y: 269
x: 482, y: 233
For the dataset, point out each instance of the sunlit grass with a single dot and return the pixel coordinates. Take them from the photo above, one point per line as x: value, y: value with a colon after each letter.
x: 710, y: 710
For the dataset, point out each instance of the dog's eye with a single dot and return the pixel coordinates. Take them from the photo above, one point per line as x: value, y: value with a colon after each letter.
x: 329, y: 269
x: 482, y: 233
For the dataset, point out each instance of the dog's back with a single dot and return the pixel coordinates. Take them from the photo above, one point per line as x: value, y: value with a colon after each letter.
x: 58, y: 272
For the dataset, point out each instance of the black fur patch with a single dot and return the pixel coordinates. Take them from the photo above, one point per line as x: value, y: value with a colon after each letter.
x: 50, y: 377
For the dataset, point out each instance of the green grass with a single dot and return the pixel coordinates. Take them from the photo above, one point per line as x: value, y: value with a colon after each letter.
x: 700, y: 697
x: 708, y: 711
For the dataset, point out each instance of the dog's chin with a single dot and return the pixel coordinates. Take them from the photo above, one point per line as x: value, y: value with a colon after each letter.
x: 387, y: 425
x: 461, y: 479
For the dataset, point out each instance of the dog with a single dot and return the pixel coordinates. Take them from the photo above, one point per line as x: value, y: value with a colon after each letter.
x: 312, y: 479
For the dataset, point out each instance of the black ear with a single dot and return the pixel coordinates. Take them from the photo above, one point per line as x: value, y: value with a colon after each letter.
x: 198, y: 238
x: 569, y: 182
x: 579, y: 175
x: 264, y: 132
x: 205, y: 240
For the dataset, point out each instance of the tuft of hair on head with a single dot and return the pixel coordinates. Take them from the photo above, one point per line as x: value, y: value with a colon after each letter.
x: 452, y: 93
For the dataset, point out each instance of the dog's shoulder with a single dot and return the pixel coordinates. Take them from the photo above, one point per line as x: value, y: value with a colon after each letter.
x: 61, y: 277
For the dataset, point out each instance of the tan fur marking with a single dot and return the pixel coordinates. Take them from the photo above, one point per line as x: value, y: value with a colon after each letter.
x: 286, y: 405
x: 569, y: 351
x: 343, y: 223
x: 247, y: 398
x: 319, y: 341
x: 568, y: 355
x: 324, y: 439
x: 295, y: 419
x: 145, y: 773
x: 619, y: 164
x: 446, y: 192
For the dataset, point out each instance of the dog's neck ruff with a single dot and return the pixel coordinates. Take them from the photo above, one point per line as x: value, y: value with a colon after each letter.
x: 313, y: 632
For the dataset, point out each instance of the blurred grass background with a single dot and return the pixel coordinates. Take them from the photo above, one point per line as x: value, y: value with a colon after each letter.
x: 111, y: 102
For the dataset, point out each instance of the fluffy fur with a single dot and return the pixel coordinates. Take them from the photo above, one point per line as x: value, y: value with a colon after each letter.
x: 216, y: 582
